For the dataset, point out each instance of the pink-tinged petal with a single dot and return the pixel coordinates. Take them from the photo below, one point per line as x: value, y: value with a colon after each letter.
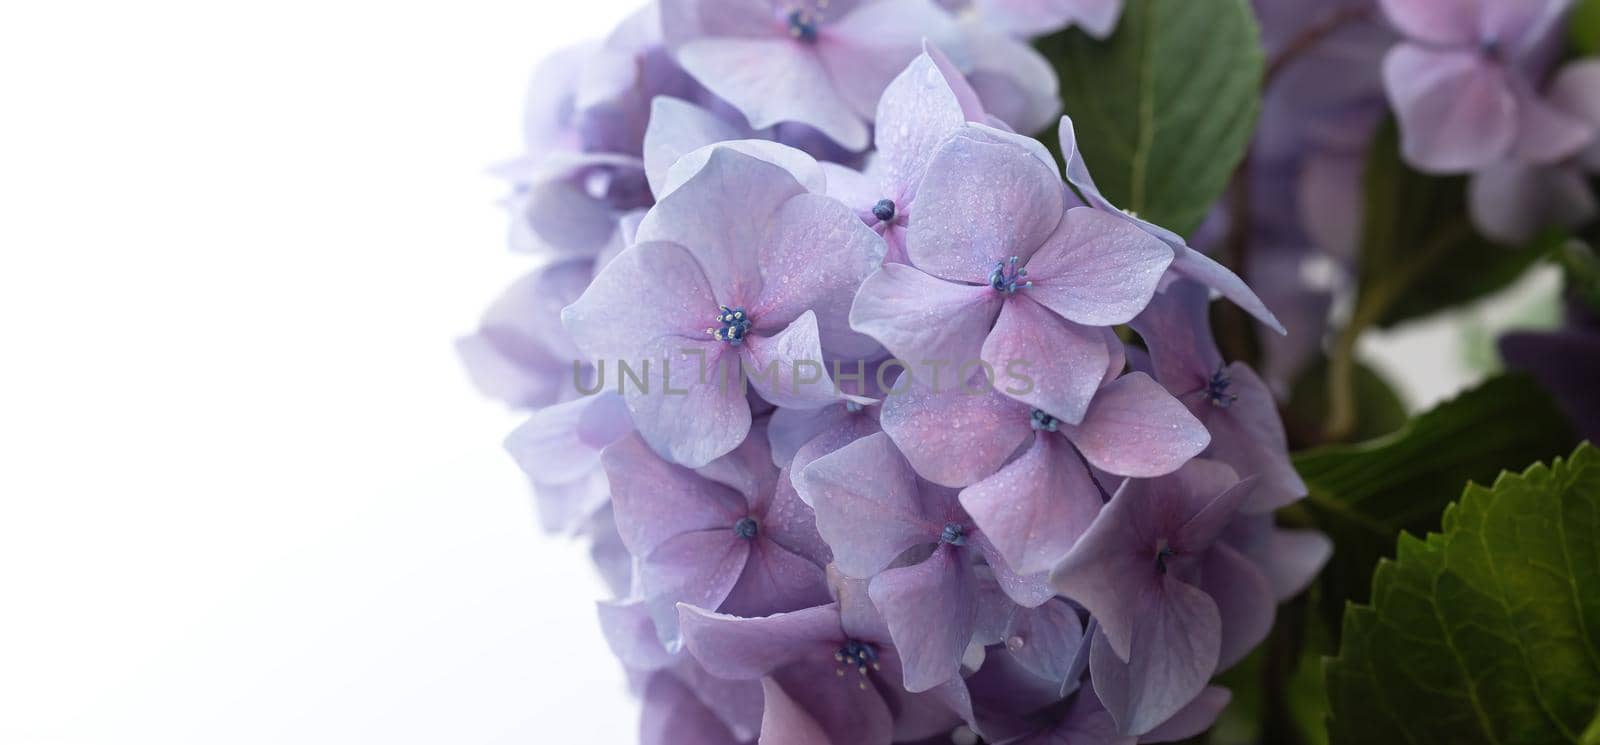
x: 918, y: 317
x: 1176, y: 330
x: 736, y: 702
x: 631, y: 635
x: 792, y: 524
x: 564, y: 220
x: 927, y: 714
x: 747, y: 470
x: 719, y: 214
x: 788, y: 430
x: 1293, y: 558
x: 1576, y: 89
x: 971, y: 105
x: 528, y: 313
x: 1512, y: 202
x: 1134, y: 427
x: 502, y: 368
x: 1035, y: 508
x: 852, y: 428
x: 673, y: 714
x: 1456, y: 110
x: 1018, y: 86
x: 750, y: 648
x: 775, y: 580
x: 1175, y: 646
x: 648, y: 292
x: 562, y: 443
x: 786, y: 722
x: 655, y: 500
x: 698, y: 568
x: 789, y: 369
x: 1443, y: 22
x: 1248, y: 435
x: 952, y: 436
x: 859, y: 190
x: 1191, y: 720
x: 804, y: 168
x: 814, y: 258
x: 1047, y: 361
x: 1045, y: 639
x: 868, y: 504
x: 918, y: 111
x: 1547, y: 134
x: 847, y: 707
x: 1026, y: 590
x: 867, y: 47
x: 567, y: 507
x: 1110, y: 572
x: 982, y: 201
x: 676, y: 129
x: 1205, y: 270
x: 775, y: 80
x: 1097, y: 269
x: 931, y: 610
x: 682, y: 20
x: 1193, y: 484
x: 1244, y: 599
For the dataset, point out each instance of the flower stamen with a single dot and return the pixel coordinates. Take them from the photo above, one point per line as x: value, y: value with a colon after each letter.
x: 1007, y: 278
x: 735, y: 325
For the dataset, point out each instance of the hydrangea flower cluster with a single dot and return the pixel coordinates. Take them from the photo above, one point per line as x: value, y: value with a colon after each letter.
x: 838, y: 374
x: 1472, y: 86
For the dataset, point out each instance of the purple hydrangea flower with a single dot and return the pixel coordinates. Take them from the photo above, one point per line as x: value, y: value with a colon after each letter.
x: 1232, y: 402
x: 1001, y: 269
x: 831, y: 673
x: 729, y: 536
x: 693, y: 296
x: 871, y: 508
x: 822, y: 63
x: 1512, y: 200
x: 1462, y: 84
x: 1173, y: 603
x: 1097, y: 18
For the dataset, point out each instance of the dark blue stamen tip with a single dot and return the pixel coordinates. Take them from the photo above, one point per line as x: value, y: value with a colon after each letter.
x: 1163, y: 552
x: 954, y: 535
x: 1489, y: 47
x: 735, y: 325
x: 853, y: 407
x: 1217, y: 389
x: 1007, y: 278
x: 859, y: 655
x: 883, y: 210
x: 802, y: 26
x: 746, y: 528
x: 1044, y: 422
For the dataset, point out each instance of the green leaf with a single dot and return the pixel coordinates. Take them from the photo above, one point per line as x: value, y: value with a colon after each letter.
x: 1419, y: 250
x: 1379, y: 409
x: 1165, y: 107
x: 1583, y: 28
x: 1365, y: 494
x: 1488, y: 632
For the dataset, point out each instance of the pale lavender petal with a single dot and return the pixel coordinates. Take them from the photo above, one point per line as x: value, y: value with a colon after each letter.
x: 866, y: 48
x: 847, y: 708
x: 1205, y: 270
x: 1018, y: 86
x: 655, y: 500
x: 1035, y: 508
x: 1176, y: 330
x: 792, y: 524
x: 697, y: 217
x: 1135, y: 428
x: 1097, y: 269
x: 631, y: 635
x: 919, y: 317
x: 699, y: 568
x: 672, y: 714
x: 931, y: 608
x: 1512, y: 202
x: 801, y: 165
x: 1248, y: 435
x: 786, y: 722
x: 1548, y: 134
x: 1176, y: 641
x: 814, y: 258
x: 562, y: 443
x: 1026, y: 590
x: 564, y: 220
x: 1576, y: 89
x: 982, y: 202
x: 648, y: 292
x: 1048, y: 362
x: 1045, y: 639
x: 772, y: 80
x: 1456, y: 110
x: 690, y: 406
x: 918, y: 111
x: 775, y: 580
x: 751, y: 648
x: 868, y: 503
x: 951, y: 436
x: 1294, y: 558
x: 676, y: 129
x: 789, y: 369
x: 1244, y: 599
x: 788, y: 430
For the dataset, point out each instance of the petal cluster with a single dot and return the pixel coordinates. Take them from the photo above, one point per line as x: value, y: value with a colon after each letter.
x: 882, y: 426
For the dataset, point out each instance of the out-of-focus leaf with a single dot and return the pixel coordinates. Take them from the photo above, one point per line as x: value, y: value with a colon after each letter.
x: 1165, y: 107
x: 1583, y: 28
x: 1486, y: 632
x: 1364, y: 495
x: 1379, y: 409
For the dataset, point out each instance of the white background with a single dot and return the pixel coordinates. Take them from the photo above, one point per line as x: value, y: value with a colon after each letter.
x: 246, y: 494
